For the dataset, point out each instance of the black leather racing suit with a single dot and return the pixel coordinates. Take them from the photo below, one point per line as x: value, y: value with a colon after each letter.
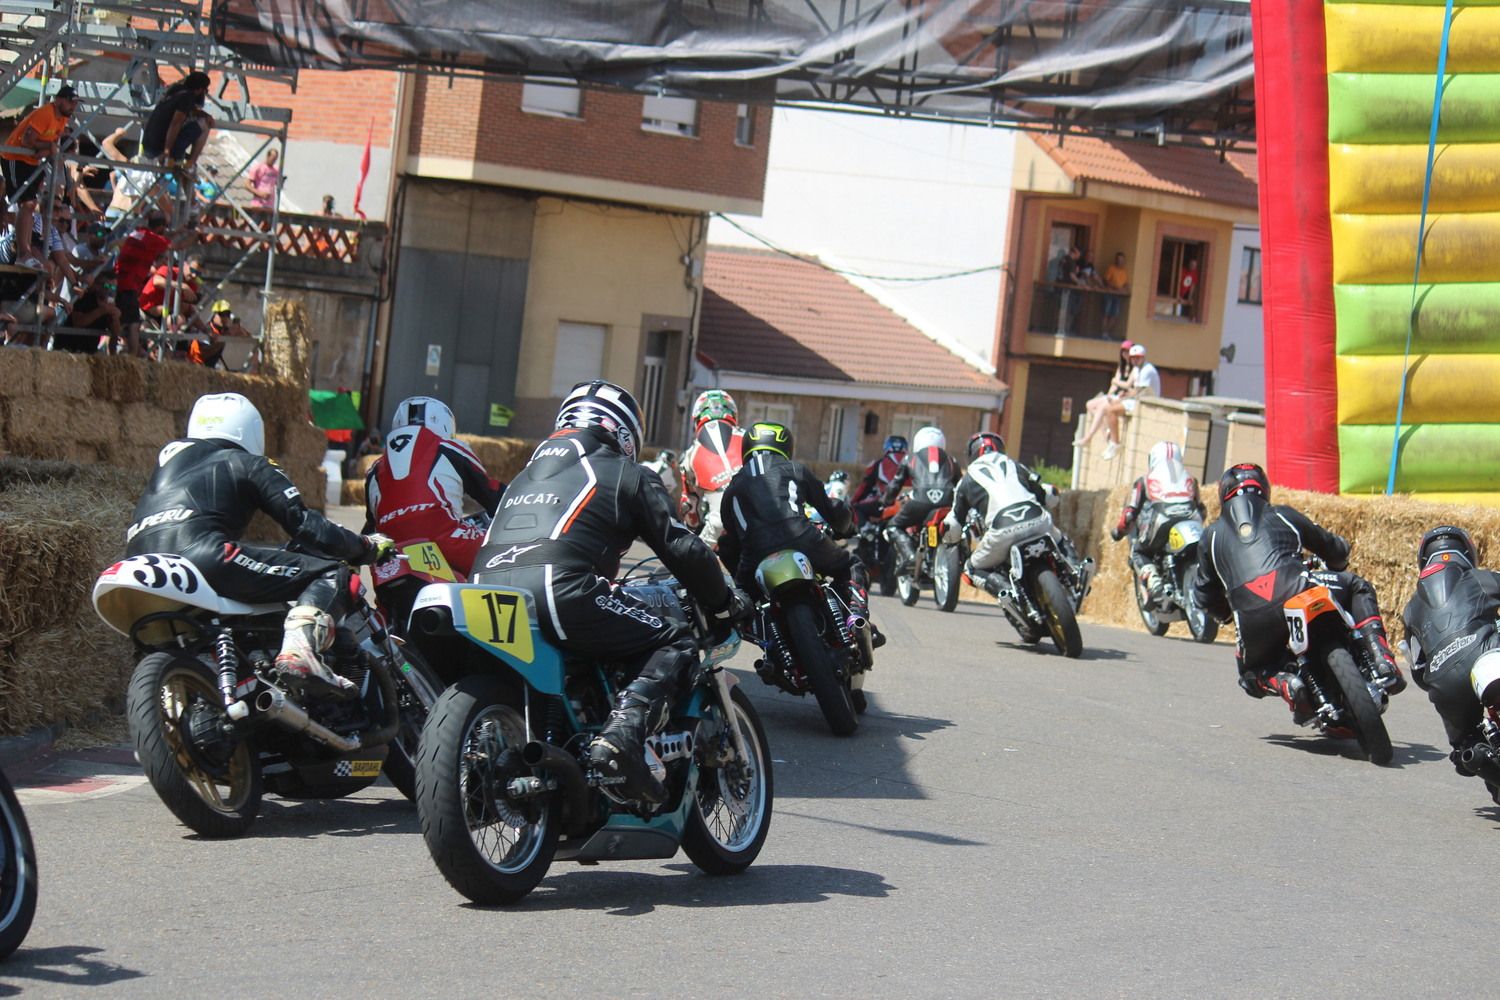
x: 560, y: 531
x: 932, y: 474
x: 762, y: 514
x: 197, y: 505
x: 1250, y: 563
x: 1450, y: 623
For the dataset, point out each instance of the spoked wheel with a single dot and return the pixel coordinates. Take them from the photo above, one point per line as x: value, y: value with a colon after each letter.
x: 491, y: 847
x: 1364, y: 714
x: 209, y: 781
x: 1201, y: 624
x: 18, y: 879
x: 946, y: 574
x: 732, y: 814
x: 1058, y: 610
x: 1149, y: 618
x: 416, y: 689
x: 906, y: 586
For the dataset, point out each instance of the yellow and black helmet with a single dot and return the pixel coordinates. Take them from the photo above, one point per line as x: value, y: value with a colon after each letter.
x: 766, y: 436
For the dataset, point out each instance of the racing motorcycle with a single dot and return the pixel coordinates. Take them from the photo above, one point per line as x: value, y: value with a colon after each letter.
x: 1045, y: 582
x: 213, y: 725
x: 503, y: 784
x: 876, y: 551
x: 18, y: 882
x: 418, y: 562
x: 937, y: 564
x: 1336, y: 665
x: 811, y: 640
x: 1172, y: 531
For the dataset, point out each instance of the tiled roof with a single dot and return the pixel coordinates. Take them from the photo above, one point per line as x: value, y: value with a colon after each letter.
x: 1192, y: 171
x: 770, y: 314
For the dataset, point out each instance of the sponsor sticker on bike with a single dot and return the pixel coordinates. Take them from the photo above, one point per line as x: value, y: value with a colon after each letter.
x: 498, y: 619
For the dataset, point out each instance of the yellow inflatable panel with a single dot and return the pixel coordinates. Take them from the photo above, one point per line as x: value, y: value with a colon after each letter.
x: 1382, y: 249
x: 1403, y: 38
x: 1388, y: 179
x: 1442, y: 389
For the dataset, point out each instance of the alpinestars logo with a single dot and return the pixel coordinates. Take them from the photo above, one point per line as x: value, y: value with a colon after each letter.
x: 1447, y: 653
x: 508, y: 557
x: 616, y: 606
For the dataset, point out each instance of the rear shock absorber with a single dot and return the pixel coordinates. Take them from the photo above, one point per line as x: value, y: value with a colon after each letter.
x: 776, y: 645
x: 228, y: 662
x: 840, y: 616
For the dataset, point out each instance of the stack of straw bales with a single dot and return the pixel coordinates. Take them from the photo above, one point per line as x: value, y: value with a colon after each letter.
x: 61, y: 524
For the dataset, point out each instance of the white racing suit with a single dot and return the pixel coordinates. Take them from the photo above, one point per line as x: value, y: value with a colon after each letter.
x: 1010, y: 502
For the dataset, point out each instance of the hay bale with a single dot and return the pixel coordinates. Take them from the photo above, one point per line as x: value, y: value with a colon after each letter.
x: 18, y: 374
x: 72, y: 673
x: 287, y: 352
x: 118, y: 378
x: 177, y: 387
x: 61, y: 375
x: 365, y: 463
x: 503, y: 458
x: 352, y: 494
x: 147, y: 426
x: 46, y: 427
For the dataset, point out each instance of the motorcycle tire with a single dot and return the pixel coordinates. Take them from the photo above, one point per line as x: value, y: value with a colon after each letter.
x: 215, y: 798
x: 1364, y: 714
x: 1053, y: 598
x: 813, y: 656
x: 1203, y: 626
x: 18, y: 878
x: 401, y: 756
x: 887, y: 575
x: 452, y: 751
x: 906, y: 586
x: 1149, y: 618
x: 947, y: 576
x: 718, y: 838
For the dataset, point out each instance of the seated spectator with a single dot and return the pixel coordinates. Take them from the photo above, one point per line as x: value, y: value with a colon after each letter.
x: 1119, y: 384
x: 131, y: 190
x: 224, y: 322
x: 177, y: 128
x: 1144, y: 381
x: 156, y: 301
x: 40, y: 131
x: 95, y: 309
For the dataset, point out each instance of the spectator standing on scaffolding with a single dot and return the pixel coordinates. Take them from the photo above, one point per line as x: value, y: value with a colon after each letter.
x: 265, y: 181
x: 25, y: 174
x: 133, y: 265
x: 178, y: 128
x: 132, y: 191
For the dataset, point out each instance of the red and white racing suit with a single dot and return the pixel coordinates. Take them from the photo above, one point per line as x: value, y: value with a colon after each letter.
x: 708, y: 465
x: 416, y: 490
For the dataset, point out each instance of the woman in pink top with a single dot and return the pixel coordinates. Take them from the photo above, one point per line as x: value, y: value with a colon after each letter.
x: 265, y: 181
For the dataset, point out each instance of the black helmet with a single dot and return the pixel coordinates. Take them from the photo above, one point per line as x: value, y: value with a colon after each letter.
x: 984, y: 443
x: 1446, y: 541
x: 1247, y: 477
x: 605, y: 405
x: 766, y: 436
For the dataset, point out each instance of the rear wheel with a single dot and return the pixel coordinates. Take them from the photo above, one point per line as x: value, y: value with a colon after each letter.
x: 490, y: 847
x: 1363, y: 713
x: 1201, y: 624
x: 18, y: 880
x: 946, y: 574
x: 815, y: 659
x: 887, y: 571
x: 906, y: 586
x: 210, y: 782
x: 732, y: 814
x: 1149, y: 617
x: 1058, y: 610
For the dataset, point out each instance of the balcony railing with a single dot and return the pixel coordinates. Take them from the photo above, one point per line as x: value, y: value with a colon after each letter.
x: 1077, y: 311
x: 312, y: 237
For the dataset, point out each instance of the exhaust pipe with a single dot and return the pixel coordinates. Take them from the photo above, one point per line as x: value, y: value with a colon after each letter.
x: 1479, y: 760
x: 565, y: 767
x: 273, y: 704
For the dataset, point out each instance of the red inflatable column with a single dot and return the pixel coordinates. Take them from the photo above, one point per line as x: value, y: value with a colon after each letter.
x: 1291, y: 123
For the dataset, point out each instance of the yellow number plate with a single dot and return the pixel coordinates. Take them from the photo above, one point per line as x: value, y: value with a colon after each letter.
x: 498, y: 618
x: 932, y: 536
x: 1174, y: 539
x: 428, y: 558
x: 364, y: 768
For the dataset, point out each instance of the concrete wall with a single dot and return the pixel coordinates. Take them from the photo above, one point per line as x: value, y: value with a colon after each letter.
x: 1155, y: 420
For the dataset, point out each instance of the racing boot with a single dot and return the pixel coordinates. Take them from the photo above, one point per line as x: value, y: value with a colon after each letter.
x: 1250, y: 684
x: 309, y: 631
x: 618, y: 753
x: 1149, y: 580
x: 1387, y: 670
x: 983, y: 579
x: 1292, y: 691
x: 906, y: 549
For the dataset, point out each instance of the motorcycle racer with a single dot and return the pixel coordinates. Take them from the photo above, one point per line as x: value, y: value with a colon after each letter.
x: 1250, y: 563
x: 416, y: 488
x: 710, y: 461
x: 1166, y: 483
x: 993, y: 483
x: 866, y: 502
x: 932, y: 474
x: 200, y: 499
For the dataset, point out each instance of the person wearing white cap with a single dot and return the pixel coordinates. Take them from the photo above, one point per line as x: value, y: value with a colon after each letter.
x: 1145, y: 380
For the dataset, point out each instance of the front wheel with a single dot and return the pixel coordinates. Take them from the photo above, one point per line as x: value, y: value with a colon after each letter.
x: 732, y: 814
x: 1057, y: 608
x: 887, y: 563
x: 813, y: 656
x: 906, y: 586
x: 210, y: 781
x: 18, y: 879
x: 946, y: 574
x: 1203, y: 626
x: 490, y: 847
x: 1364, y: 714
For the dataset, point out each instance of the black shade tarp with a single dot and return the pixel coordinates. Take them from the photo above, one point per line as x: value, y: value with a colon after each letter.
x: 1178, y: 69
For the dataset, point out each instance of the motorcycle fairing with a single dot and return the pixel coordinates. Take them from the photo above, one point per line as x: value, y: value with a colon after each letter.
x: 160, y: 582
x: 502, y: 622
x: 779, y: 569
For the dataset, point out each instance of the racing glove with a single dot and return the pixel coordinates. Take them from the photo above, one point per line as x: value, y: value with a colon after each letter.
x: 736, y: 609
x: 379, y: 548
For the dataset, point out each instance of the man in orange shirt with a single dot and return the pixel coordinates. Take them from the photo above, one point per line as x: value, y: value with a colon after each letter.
x: 39, y: 132
x: 1116, y: 282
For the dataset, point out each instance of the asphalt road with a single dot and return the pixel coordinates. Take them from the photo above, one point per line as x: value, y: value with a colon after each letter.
x: 1005, y: 823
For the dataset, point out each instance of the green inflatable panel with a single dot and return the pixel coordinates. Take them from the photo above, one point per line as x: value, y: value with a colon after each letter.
x: 1435, y: 458
x: 1397, y: 107
x: 1458, y: 318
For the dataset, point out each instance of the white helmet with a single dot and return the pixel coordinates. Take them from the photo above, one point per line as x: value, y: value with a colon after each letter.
x: 426, y: 411
x: 838, y: 490
x: 1164, y: 462
x: 228, y: 416
x: 928, y: 437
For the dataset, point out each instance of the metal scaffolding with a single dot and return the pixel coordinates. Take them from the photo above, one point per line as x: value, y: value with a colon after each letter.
x: 117, y: 56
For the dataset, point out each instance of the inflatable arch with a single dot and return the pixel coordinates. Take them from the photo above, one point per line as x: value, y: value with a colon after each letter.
x: 1345, y: 95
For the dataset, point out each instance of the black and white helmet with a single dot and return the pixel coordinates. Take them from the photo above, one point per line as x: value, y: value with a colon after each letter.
x: 608, y: 406
x: 425, y: 411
